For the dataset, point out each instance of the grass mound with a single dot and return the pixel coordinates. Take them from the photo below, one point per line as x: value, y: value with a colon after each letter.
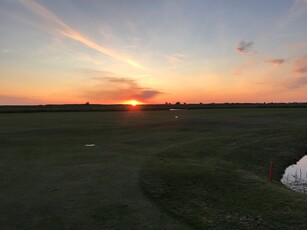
x: 219, y: 180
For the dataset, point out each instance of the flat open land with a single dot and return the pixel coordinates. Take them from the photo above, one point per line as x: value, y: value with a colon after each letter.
x: 180, y: 169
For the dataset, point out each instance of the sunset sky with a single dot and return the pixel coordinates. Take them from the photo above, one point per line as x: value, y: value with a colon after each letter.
x: 153, y: 51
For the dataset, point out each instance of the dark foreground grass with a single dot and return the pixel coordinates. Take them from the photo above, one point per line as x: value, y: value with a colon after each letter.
x: 207, y: 169
x: 219, y: 180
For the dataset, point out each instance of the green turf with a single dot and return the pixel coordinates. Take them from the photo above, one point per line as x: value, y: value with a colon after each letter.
x: 148, y: 170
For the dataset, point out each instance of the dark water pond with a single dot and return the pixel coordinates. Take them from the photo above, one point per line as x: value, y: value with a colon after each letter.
x: 295, y: 176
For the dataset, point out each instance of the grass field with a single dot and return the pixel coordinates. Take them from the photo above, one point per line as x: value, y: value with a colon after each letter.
x: 206, y: 169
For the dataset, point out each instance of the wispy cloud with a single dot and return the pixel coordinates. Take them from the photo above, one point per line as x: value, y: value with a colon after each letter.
x: 147, y: 94
x: 246, y: 48
x: 144, y: 75
x: 175, y: 58
x: 108, y: 86
x: 297, y: 83
x: 14, y: 100
x: 298, y: 8
x: 276, y: 62
x: 130, y: 46
x: 5, y: 51
x: 300, y: 79
x: 297, y: 46
x: 301, y: 65
x: 240, y: 70
x: 53, y: 24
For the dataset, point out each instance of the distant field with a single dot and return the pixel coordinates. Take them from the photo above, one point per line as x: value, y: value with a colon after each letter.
x: 143, y: 107
x: 180, y: 169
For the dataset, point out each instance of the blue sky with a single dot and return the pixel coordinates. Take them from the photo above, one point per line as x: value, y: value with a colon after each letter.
x: 152, y: 51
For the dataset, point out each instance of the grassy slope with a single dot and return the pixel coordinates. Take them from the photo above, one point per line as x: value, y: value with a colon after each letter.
x: 208, y: 168
x: 219, y: 179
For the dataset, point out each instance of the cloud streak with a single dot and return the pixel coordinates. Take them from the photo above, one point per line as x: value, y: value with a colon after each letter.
x: 57, y: 25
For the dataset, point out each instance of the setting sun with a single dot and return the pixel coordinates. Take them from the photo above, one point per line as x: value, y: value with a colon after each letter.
x: 133, y: 102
